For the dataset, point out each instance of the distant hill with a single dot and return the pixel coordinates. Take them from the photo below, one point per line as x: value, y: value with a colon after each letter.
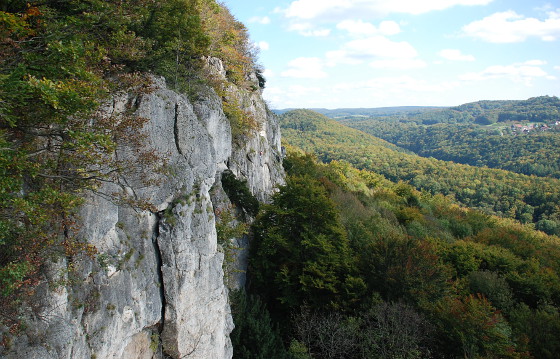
x: 534, y: 151
x: 508, y: 194
x: 367, y: 112
x: 496, y: 134
x: 535, y: 109
x: 308, y: 121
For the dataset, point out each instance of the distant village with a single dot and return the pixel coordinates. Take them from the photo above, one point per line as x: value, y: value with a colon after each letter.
x: 518, y: 128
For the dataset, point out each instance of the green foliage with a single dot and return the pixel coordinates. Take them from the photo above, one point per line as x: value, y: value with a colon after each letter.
x: 242, y: 123
x: 543, y: 108
x: 12, y: 276
x: 537, y: 329
x: 504, y: 193
x: 494, y: 287
x: 229, y: 41
x: 535, y: 153
x: 457, y: 278
x: 300, y: 252
x: 254, y: 335
x: 175, y: 31
x: 297, y: 350
x: 549, y: 226
x: 227, y: 226
x: 472, y: 328
x: 239, y: 193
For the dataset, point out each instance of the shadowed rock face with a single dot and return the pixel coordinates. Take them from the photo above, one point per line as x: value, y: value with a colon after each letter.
x: 157, y: 288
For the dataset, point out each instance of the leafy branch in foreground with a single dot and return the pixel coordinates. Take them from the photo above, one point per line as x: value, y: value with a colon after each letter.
x: 54, y: 143
x: 59, y: 62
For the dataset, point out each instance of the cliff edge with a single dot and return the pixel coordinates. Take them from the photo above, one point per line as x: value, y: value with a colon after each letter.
x: 156, y: 288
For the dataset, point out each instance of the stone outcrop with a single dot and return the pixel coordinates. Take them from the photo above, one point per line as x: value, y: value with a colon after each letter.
x: 156, y: 289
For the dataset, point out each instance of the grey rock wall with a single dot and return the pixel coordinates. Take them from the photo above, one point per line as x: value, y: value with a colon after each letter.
x: 156, y: 289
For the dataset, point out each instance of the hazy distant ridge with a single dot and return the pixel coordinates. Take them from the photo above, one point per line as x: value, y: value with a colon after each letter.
x: 375, y: 112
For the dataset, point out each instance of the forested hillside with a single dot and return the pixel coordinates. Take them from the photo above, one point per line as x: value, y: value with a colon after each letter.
x: 346, y: 264
x: 518, y: 136
x: 534, y: 153
x: 507, y: 194
x: 536, y: 109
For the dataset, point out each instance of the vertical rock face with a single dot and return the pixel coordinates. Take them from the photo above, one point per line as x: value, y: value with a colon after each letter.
x: 156, y: 289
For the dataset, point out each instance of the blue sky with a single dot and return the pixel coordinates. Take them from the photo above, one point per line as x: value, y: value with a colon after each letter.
x: 376, y: 53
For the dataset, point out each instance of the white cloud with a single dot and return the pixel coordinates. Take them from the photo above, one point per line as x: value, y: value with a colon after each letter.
x: 293, y: 96
x: 339, y: 9
x: 264, y: 20
x: 371, y: 48
x: 342, y: 57
x: 524, y: 72
x: 557, y: 68
x: 268, y: 73
x: 310, y: 9
x: 389, y: 28
x: 359, y: 27
x: 305, y: 67
x: 306, y: 29
x: 263, y: 45
x: 399, y: 64
x: 379, y: 46
x: 398, y: 84
x: 455, y: 55
x: 535, y: 62
x: 508, y: 26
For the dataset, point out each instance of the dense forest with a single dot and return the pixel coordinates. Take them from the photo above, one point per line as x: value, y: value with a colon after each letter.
x: 346, y: 264
x: 357, y: 263
x: 507, y: 194
x: 518, y: 136
x: 536, y: 153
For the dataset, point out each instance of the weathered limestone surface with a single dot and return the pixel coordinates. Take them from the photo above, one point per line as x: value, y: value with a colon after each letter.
x: 156, y: 289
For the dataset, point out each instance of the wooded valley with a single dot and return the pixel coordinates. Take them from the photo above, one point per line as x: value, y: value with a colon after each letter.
x: 371, y: 251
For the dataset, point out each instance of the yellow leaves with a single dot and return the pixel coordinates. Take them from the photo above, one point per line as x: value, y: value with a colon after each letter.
x: 46, y: 89
x: 229, y: 40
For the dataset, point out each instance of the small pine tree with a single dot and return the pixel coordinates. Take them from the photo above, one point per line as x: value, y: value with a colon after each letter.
x: 254, y: 336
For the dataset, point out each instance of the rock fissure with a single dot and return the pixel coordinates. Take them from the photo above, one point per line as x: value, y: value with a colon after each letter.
x: 176, y: 129
x: 159, y: 264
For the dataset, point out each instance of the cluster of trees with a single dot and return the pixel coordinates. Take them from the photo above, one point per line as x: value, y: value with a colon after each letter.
x: 59, y: 61
x: 346, y: 264
x: 535, y: 154
x: 507, y: 194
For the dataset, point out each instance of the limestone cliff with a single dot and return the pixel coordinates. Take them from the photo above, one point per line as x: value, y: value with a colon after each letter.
x: 156, y: 289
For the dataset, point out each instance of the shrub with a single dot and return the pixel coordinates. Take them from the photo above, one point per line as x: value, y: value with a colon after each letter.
x: 239, y: 193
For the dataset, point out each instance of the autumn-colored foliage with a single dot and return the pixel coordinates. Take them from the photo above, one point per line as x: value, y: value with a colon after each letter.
x: 59, y: 61
x: 469, y: 282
